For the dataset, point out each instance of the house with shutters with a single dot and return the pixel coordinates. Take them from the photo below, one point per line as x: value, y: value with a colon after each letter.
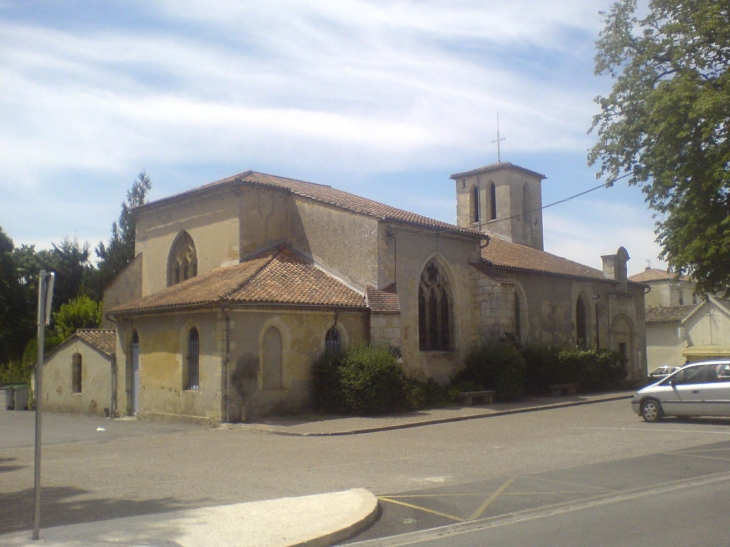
x: 682, y: 325
x: 240, y: 284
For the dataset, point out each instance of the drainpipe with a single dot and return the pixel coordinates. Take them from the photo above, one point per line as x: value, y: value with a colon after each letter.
x: 226, y: 368
x: 113, y: 401
x: 113, y: 383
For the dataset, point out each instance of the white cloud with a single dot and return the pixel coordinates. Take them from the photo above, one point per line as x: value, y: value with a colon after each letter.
x: 340, y: 87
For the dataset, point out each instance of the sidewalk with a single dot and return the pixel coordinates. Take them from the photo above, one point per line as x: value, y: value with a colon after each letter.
x: 319, y: 425
x: 308, y: 521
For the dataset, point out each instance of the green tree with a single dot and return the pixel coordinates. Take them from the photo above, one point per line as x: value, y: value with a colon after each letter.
x: 14, y: 332
x: 79, y: 313
x: 665, y: 125
x: 119, y: 252
x: 70, y: 262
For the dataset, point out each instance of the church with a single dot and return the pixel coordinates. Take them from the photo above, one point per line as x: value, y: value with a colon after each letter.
x: 240, y: 284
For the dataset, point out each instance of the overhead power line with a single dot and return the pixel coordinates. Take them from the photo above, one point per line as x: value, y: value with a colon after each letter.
x: 602, y: 185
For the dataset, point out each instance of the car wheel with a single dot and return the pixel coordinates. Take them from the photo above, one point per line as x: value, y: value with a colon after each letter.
x: 651, y: 410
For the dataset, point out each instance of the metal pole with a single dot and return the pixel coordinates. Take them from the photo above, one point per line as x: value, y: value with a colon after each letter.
x: 39, y: 402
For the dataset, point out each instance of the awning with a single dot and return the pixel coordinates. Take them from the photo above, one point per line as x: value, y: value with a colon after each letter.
x: 700, y: 353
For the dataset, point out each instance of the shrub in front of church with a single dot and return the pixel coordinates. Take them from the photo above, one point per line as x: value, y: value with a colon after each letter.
x: 592, y: 369
x: 428, y: 394
x: 363, y: 380
x: 498, y: 366
x: 543, y: 368
x: 599, y: 369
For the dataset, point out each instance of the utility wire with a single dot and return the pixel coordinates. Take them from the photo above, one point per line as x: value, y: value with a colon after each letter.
x: 602, y: 185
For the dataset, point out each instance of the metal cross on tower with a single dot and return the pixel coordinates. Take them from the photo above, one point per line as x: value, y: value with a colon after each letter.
x: 498, y: 140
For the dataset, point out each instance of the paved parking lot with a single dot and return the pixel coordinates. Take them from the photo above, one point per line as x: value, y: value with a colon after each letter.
x: 405, y: 512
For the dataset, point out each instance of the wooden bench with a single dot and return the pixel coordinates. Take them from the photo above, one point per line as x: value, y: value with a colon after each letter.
x: 561, y: 390
x: 486, y: 396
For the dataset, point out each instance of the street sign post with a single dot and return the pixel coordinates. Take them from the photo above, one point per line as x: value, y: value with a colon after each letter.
x: 45, y: 298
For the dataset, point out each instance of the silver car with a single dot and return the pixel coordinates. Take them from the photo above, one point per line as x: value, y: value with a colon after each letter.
x: 699, y: 389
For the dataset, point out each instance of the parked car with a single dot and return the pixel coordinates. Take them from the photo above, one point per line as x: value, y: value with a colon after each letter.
x: 662, y: 372
x: 699, y: 389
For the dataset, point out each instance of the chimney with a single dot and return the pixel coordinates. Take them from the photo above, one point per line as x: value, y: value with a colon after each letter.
x: 614, y: 267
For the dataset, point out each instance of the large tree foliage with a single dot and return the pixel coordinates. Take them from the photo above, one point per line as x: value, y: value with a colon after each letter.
x: 13, y: 331
x: 119, y: 252
x: 665, y: 125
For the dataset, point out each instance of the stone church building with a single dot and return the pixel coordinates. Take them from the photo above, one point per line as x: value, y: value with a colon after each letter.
x: 240, y: 284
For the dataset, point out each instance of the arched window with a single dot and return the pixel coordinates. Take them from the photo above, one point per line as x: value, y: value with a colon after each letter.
x: 133, y: 376
x: 272, y: 368
x: 526, y: 203
x: 581, y: 330
x: 76, y: 370
x: 434, y: 310
x: 518, y: 320
x: 492, y: 201
x: 475, y: 209
x: 332, y: 341
x: 192, y: 379
x: 183, y: 260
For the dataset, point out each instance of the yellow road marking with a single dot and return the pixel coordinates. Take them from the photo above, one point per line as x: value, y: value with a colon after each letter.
x: 452, y: 517
x: 490, y: 499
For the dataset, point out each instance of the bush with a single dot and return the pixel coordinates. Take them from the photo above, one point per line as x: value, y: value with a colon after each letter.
x: 498, y: 366
x: 15, y: 372
x: 362, y: 380
x: 427, y: 394
x: 592, y: 369
x: 326, y: 389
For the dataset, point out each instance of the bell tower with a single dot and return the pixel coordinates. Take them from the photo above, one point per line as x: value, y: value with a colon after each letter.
x: 502, y: 199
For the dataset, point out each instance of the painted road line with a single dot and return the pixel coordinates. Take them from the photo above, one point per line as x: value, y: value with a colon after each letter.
x: 425, y: 509
x: 478, y: 513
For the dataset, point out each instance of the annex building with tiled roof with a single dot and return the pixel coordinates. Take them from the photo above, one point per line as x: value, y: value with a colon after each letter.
x: 682, y: 325
x: 78, y: 374
x: 239, y: 285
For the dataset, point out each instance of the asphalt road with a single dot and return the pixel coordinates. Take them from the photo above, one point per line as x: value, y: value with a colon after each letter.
x: 692, y: 515
x: 132, y: 468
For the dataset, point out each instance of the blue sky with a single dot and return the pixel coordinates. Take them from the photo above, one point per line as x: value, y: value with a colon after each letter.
x: 383, y: 98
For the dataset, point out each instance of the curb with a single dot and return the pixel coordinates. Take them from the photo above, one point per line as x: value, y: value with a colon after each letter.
x: 354, y: 524
x: 490, y: 414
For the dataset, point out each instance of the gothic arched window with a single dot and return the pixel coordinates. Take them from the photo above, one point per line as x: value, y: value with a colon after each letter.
x: 475, y: 209
x: 183, y: 260
x: 492, y: 201
x: 272, y: 354
x: 192, y: 380
x: 581, y: 330
x: 76, y: 373
x: 332, y: 341
x: 434, y: 310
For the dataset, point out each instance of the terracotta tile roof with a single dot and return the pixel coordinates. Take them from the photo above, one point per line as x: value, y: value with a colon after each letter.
x: 505, y: 254
x: 278, y: 276
x: 383, y: 301
x: 496, y: 167
x: 668, y: 314
x: 323, y: 194
x: 653, y: 274
x: 103, y: 340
